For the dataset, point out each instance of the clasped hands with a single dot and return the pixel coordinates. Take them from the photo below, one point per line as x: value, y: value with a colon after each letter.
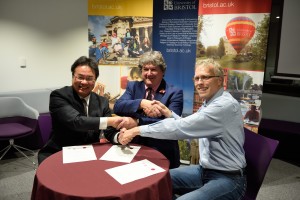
x: 155, y: 108
x: 122, y: 122
x: 125, y: 124
x: 150, y: 108
x: 127, y: 134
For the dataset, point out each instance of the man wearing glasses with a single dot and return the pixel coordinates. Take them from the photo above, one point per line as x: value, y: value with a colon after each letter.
x: 78, y: 114
x: 218, y: 124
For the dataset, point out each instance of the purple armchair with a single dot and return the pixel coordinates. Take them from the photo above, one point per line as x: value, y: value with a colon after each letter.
x: 45, y: 127
x: 17, y: 120
x: 259, y: 151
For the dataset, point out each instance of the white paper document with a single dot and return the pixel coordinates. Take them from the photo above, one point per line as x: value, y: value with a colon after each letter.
x: 119, y: 153
x: 134, y: 171
x: 78, y: 153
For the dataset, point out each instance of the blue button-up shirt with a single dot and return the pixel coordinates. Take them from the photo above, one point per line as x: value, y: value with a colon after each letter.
x: 218, y: 125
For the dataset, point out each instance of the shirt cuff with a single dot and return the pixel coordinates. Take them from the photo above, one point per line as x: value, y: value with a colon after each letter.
x: 103, y: 123
x: 116, y: 138
x: 174, y: 115
x: 143, y: 130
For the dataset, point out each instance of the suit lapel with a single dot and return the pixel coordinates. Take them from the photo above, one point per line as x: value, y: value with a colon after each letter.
x: 162, y: 87
x: 94, y: 105
x: 77, y: 101
x: 140, y: 91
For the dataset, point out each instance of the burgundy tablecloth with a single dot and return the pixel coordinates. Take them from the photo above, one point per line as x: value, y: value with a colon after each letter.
x: 88, y: 180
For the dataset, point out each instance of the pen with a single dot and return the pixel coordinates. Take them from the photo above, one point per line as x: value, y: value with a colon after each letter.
x: 126, y: 145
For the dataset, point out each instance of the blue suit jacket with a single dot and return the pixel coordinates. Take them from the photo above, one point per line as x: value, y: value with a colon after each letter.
x: 128, y: 105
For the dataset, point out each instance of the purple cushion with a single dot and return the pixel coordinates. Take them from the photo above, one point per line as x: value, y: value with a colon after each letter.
x: 13, y: 130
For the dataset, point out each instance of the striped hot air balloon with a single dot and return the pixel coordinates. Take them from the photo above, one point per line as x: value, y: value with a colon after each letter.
x: 239, y: 31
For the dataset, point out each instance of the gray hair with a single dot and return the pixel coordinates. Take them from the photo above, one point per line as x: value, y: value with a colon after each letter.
x: 212, y: 65
x: 152, y: 57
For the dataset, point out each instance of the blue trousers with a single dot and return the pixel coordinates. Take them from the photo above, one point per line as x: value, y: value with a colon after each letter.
x: 193, y: 183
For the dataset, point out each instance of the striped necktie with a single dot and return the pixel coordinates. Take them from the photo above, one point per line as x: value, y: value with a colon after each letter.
x: 149, y: 94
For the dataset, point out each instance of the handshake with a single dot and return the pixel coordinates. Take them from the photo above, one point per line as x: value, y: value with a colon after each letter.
x: 155, y: 108
x: 129, y: 126
x: 121, y: 122
x: 126, y: 135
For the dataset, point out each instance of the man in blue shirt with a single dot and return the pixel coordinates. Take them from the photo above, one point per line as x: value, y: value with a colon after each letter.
x: 218, y: 125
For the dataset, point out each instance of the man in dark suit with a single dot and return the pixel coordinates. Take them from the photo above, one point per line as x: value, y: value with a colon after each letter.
x: 78, y: 114
x: 136, y: 103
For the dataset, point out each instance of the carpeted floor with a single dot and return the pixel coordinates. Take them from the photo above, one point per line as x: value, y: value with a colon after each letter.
x: 281, y: 182
x: 16, y: 178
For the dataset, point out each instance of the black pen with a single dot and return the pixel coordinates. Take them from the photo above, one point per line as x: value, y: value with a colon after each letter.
x: 126, y: 145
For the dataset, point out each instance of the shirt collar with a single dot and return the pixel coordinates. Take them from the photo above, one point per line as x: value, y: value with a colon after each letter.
x: 87, y: 99
x: 153, y: 88
x: 219, y: 93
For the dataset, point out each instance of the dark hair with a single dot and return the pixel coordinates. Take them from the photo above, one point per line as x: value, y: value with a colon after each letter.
x: 83, y: 60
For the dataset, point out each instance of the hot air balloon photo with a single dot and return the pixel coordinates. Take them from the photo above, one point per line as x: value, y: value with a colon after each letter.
x: 239, y: 32
x: 237, y: 41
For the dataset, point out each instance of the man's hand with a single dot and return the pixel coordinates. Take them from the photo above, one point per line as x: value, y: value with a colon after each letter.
x: 160, y: 109
x: 150, y: 109
x: 99, y: 88
x: 125, y: 136
x: 153, y: 111
x: 127, y: 123
x: 145, y: 104
x: 114, y: 121
x: 121, y: 122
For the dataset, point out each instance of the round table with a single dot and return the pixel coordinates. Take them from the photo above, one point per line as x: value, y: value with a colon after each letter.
x: 88, y: 180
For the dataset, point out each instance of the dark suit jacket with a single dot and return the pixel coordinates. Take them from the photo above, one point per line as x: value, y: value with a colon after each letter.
x: 128, y: 105
x: 70, y: 126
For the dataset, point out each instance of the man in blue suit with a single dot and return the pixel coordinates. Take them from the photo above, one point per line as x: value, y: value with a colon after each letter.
x: 136, y: 103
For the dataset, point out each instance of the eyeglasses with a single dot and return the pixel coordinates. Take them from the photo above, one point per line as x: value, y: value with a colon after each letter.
x: 82, y: 78
x: 203, y: 78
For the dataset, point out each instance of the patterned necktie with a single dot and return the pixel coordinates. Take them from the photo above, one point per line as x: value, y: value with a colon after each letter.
x: 85, y: 106
x: 149, y: 94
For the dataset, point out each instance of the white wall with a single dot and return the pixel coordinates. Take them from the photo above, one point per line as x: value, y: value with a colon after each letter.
x: 280, y: 107
x: 49, y: 34
x: 288, y: 61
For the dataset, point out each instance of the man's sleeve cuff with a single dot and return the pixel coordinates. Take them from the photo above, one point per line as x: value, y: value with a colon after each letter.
x: 103, y: 123
x: 116, y: 138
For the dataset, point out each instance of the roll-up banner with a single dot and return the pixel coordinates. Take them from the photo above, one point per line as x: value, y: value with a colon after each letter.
x: 235, y: 33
